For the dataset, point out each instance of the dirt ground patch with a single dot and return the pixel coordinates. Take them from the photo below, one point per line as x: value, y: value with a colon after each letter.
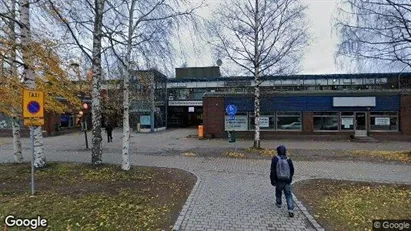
x: 347, y: 205
x: 83, y: 197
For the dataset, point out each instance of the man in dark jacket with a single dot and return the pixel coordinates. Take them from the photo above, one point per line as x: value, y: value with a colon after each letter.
x: 282, y: 184
x: 109, y: 131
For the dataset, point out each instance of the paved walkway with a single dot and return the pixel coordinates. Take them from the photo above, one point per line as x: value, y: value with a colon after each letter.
x: 231, y: 194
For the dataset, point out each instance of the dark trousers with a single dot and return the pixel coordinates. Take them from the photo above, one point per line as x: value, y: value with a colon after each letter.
x: 279, y: 188
x: 109, y: 136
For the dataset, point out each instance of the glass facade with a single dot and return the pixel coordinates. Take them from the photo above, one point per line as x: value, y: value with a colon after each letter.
x: 325, y: 121
x: 287, y: 121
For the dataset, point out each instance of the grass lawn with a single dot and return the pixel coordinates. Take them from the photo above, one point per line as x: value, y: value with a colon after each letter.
x: 82, y: 197
x: 347, y: 205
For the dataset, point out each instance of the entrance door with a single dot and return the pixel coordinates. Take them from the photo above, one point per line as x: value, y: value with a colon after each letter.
x: 360, y: 124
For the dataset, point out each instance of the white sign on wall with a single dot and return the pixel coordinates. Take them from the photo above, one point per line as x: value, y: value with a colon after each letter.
x: 347, y: 122
x: 185, y: 103
x: 382, y: 121
x: 239, y: 124
x: 354, y: 101
x: 264, y: 122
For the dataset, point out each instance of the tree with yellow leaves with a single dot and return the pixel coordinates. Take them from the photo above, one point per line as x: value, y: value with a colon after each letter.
x: 50, y: 76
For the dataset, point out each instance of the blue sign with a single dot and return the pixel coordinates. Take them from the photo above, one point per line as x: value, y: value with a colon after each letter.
x: 231, y: 109
x: 33, y: 107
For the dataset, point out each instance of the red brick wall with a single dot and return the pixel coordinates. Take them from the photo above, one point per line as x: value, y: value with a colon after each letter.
x: 213, y: 116
x: 50, y: 121
x: 308, y: 122
x: 405, y: 118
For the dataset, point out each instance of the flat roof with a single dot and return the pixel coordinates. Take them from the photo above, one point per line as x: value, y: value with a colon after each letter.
x: 283, y: 77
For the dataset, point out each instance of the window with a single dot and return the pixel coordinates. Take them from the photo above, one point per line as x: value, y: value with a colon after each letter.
x: 384, y: 121
x: 287, y: 82
x: 67, y: 120
x: 321, y: 81
x: 267, y: 121
x: 309, y: 82
x: 347, y: 121
x: 325, y: 121
x: 357, y: 82
x: 346, y: 82
x: 289, y: 121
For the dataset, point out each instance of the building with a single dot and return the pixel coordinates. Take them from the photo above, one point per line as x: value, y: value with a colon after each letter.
x: 360, y: 105
x: 148, y: 101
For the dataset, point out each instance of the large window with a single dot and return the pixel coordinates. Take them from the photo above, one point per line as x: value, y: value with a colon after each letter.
x: 325, y: 121
x: 384, y: 121
x: 267, y: 121
x: 289, y: 121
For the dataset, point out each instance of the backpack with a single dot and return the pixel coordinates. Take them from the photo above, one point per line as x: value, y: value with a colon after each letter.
x: 283, y: 169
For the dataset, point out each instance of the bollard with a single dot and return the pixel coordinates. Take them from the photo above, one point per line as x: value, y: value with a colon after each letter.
x: 200, y: 131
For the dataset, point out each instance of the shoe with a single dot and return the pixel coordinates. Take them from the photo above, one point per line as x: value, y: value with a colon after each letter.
x: 278, y: 205
x: 291, y: 214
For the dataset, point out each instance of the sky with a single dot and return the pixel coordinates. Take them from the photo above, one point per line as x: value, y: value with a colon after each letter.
x: 319, y: 56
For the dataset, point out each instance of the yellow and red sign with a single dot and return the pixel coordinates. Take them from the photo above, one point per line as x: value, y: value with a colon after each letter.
x: 33, y: 107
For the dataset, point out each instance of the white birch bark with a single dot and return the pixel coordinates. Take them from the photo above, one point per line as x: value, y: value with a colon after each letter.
x: 96, y: 150
x: 125, y: 164
x: 39, y: 157
x: 18, y: 156
x: 256, y: 78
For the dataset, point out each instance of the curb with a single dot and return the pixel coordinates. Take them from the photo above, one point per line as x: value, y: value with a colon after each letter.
x: 309, y: 217
x: 182, y: 215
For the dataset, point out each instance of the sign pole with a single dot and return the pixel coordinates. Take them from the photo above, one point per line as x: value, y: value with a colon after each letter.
x: 32, y: 159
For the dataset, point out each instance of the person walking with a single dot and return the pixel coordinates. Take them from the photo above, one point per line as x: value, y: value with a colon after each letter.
x: 281, y: 176
x: 109, y: 131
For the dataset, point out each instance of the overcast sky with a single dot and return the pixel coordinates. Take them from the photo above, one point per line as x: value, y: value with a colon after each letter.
x: 319, y: 56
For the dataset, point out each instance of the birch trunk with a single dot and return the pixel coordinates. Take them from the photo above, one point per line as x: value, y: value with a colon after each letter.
x: 125, y: 164
x: 256, y: 79
x: 39, y: 158
x: 96, y: 150
x: 18, y: 156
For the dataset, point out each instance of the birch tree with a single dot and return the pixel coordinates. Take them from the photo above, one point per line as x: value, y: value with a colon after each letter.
x: 375, y: 32
x: 28, y: 76
x: 261, y: 37
x: 10, y: 56
x: 146, y: 31
x: 84, y: 23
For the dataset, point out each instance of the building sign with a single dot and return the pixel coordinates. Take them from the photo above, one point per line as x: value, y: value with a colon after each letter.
x: 382, y: 121
x: 264, y: 122
x: 347, y: 122
x: 239, y: 124
x: 185, y: 103
x: 354, y: 101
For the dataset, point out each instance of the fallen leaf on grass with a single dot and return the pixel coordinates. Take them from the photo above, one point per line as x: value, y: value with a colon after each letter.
x: 235, y: 154
x: 188, y: 154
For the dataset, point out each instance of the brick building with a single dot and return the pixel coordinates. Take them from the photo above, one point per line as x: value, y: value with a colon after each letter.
x: 339, y: 113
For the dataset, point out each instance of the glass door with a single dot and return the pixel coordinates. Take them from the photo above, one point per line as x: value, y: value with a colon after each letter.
x: 360, y: 124
x: 360, y: 119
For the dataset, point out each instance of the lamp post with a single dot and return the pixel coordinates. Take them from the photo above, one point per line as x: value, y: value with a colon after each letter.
x: 84, y: 127
x: 368, y: 121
